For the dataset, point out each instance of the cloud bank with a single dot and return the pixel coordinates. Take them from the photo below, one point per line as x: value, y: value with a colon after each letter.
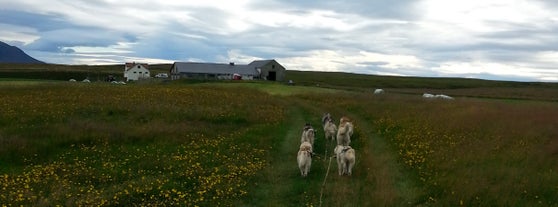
x: 489, y: 39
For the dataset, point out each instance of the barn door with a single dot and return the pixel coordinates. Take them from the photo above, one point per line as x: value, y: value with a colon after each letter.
x: 272, y: 75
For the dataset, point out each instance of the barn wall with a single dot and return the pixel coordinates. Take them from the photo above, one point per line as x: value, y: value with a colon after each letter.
x: 267, y: 72
x: 273, y: 67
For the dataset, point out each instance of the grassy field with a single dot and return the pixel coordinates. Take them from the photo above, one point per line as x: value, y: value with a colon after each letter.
x: 67, y: 72
x: 235, y: 143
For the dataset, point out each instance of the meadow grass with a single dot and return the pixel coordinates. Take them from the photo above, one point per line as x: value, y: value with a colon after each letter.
x: 273, y: 88
x: 66, y: 72
x: 360, y: 82
x: 231, y: 144
x: 473, y: 152
x: 101, y: 144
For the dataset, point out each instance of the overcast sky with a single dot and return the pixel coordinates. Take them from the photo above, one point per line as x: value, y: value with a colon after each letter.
x: 489, y: 39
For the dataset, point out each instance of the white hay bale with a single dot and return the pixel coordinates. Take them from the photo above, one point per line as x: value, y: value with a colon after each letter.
x: 427, y: 95
x: 442, y: 96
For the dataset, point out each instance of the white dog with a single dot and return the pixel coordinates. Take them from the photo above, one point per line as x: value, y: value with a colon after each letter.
x: 308, y: 134
x: 345, y: 159
x: 304, y: 158
x: 326, y: 117
x: 307, y: 147
x: 329, y: 129
x: 344, y: 132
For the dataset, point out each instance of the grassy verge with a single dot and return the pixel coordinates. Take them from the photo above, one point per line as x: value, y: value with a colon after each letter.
x: 280, y: 183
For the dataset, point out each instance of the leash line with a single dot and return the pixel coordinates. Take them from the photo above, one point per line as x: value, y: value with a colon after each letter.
x: 325, y: 179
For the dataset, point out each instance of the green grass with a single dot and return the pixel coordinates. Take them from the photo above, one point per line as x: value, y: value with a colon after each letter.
x: 369, y: 82
x: 66, y: 72
x: 273, y: 88
x: 84, y: 144
x: 233, y: 143
x: 11, y: 82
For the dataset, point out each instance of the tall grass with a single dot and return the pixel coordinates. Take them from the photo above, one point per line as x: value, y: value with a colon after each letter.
x: 233, y: 144
x: 461, y: 152
x: 361, y: 82
x: 472, y: 152
x: 66, y: 72
x: 100, y: 144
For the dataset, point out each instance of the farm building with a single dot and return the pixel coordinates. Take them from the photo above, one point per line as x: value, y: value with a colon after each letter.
x: 136, y: 71
x: 258, y: 70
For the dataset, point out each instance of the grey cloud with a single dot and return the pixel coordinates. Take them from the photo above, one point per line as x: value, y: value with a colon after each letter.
x: 528, y: 31
x: 401, y: 9
x: 16, y: 43
x: 375, y: 63
x: 206, y: 20
x: 41, y: 22
x: 190, y: 32
x: 548, y: 3
x: 289, y: 40
x: 489, y: 76
x: 67, y: 50
x: 377, y: 69
x: 56, y: 32
x: 173, y: 47
x: 92, y: 37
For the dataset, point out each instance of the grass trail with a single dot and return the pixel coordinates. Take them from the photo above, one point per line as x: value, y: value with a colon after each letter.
x: 377, y: 179
x: 280, y: 183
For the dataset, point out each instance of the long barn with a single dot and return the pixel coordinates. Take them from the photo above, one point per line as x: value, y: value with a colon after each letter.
x: 257, y: 70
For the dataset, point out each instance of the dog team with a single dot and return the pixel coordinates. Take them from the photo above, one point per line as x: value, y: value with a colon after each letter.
x: 344, y: 154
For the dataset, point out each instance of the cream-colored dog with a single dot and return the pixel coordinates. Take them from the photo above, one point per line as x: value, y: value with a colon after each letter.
x: 308, y: 134
x: 345, y: 159
x: 330, y: 129
x: 304, y: 158
x: 344, y: 132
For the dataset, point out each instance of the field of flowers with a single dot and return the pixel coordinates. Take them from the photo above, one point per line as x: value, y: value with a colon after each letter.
x: 228, y: 144
x: 471, y: 152
x: 106, y: 145
x: 464, y: 152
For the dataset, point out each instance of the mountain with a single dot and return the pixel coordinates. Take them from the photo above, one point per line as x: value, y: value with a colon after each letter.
x: 12, y: 54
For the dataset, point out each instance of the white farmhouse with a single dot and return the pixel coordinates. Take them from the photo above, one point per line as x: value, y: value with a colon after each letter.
x: 136, y: 71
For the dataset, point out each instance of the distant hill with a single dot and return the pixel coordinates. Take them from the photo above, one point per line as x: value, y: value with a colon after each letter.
x: 12, y: 54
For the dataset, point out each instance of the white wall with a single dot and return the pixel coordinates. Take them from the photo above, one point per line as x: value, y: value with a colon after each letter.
x: 137, y: 72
